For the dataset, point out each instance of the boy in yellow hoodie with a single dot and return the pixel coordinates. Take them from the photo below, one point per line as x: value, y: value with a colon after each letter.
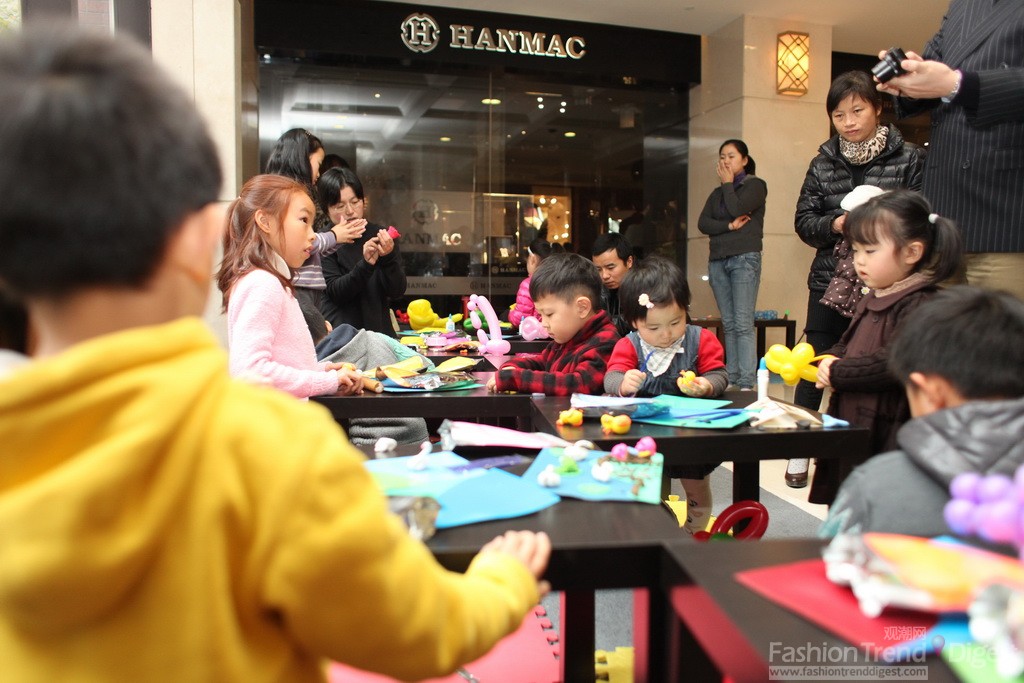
x: 159, y: 521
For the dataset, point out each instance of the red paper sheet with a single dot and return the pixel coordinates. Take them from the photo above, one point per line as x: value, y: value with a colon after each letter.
x: 802, y: 587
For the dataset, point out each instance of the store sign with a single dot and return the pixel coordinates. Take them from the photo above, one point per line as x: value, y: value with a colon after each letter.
x: 421, y: 33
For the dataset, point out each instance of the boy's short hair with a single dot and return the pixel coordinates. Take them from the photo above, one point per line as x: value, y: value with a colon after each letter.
x: 612, y: 240
x: 103, y: 157
x: 566, y: 276
x: 974, y: 338
x: 657, y: 277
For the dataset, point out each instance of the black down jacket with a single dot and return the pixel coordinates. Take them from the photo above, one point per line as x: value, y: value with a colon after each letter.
x: 830, y: 178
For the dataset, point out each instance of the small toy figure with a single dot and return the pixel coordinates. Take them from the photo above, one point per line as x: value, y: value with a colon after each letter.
x: 493, y: 344
x: 421, y: 460
x: 646, y: 447
x: 793, y: 365
x: 603, y: 471
x: 549, y: 478
x: 620, y: 452
x: 572, y: 417
x: 579, y: 450
x: 615, y: 424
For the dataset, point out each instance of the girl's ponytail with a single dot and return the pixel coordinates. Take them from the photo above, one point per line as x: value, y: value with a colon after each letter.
x: 947, y: 248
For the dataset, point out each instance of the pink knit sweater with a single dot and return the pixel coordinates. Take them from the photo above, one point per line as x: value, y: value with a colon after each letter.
x: 268, y: 340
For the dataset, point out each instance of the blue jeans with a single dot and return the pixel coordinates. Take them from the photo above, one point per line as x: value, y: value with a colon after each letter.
x: 735, y: 280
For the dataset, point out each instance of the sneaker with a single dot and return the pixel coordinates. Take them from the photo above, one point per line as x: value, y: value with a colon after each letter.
x: 796, y: 473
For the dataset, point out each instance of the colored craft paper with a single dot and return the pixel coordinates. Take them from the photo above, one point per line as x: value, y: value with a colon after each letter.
x: 951, y: 573
x: 682, y: 406
x: 494, y: 494
x: 973, y: 663
x: 582, y: 484
x: 391, y: 387
x: 803, y: 588
x: 395, y: 478
x: 465, y: 496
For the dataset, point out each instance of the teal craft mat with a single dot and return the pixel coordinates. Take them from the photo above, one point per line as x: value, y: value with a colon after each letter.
x: 583, y: 485
x: 466, y: 497
x: 681, y: 406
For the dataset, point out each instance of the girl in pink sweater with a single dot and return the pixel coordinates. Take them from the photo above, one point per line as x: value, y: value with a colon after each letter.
x: 269, y: 235
x: 537, y: 251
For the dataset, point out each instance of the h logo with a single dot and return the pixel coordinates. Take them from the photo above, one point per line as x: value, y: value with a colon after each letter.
x: 420, y: 32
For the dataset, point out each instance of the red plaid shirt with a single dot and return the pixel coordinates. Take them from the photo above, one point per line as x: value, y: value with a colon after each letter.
x: 577, y: 366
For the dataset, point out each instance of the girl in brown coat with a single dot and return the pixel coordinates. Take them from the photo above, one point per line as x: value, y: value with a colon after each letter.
x: 901, y: 251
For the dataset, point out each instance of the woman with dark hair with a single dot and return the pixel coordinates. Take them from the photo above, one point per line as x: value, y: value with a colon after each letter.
x: 863, y: 151
x: 363, y: 277
x: 537, y: 251
x: 298, y: 155
x: 733, y: 217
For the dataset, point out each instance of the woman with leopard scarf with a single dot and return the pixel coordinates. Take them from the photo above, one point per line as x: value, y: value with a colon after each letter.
x: 863, y: 151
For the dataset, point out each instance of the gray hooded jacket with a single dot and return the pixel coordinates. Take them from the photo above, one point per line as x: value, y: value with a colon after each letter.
x: 905, y: 491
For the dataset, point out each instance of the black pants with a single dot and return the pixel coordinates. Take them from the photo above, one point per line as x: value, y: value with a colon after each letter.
x: 824, y: 328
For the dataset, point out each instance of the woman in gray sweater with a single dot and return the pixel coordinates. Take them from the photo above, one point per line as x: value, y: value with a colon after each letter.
x: 733, y: 217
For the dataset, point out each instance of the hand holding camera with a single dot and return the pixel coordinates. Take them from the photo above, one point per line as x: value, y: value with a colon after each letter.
x: 913, y: 76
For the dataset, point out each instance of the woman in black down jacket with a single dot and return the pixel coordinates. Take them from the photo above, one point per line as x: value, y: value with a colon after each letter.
x: 863, y: 152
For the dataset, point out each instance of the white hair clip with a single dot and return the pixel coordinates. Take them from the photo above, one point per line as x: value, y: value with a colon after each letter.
x: 932, y: 217
x: 645, y: 301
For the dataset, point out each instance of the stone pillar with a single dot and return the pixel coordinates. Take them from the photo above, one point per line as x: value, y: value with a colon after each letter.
x: 737, y: 99
x: 208, y: 46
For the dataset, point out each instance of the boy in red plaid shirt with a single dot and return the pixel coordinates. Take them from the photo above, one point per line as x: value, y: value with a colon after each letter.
x: 565, y: 289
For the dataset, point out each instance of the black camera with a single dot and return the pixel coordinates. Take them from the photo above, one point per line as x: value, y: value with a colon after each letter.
x: 889, y: 68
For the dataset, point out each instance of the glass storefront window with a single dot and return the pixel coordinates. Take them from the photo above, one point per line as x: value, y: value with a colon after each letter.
x: 471, y: 165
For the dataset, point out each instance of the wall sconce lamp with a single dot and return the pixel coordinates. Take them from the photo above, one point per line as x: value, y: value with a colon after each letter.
x: 793, y: 67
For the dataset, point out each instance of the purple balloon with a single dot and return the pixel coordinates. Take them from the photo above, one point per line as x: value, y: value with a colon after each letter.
x: 965, y: 486
x: 999, y: 523
x: 959, y: 516
x: 994, y: 488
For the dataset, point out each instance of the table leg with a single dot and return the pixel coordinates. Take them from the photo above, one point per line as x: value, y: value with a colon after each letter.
x: 746, y: 481
x: 577, y: 619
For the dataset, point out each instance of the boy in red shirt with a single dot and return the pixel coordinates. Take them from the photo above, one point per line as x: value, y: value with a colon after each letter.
x: 565, y: 289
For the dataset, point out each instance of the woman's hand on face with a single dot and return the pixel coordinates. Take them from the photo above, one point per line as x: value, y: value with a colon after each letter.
x: 725, y: 174
x: 371, y: 251
x: 839, y: 224
x: 385, y: 243
x: 739, y: 222
x: 350, y: 231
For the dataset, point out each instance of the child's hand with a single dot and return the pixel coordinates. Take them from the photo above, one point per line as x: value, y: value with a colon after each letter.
x: 698, y: 387
x: 350, y: 382
x: 492, y: 386
x: 348, y: 233
x: 825, y: 372
x: 631, y: 382
x: 532, y: 549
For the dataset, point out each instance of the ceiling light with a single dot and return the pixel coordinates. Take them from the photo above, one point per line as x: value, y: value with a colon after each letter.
x: 376, y: 95
x: 540, y: 106
x: 490, y: 101
x: 563, y: 104
x: 570, y: 134
x: 445, y: 138
x: 540, y: 99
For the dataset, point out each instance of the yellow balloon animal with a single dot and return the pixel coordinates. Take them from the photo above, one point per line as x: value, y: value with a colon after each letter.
x: 422, y: 316
x: 793, y: 365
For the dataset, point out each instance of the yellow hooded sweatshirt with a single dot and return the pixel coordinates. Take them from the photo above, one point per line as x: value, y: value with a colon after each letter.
x: 162, y: 522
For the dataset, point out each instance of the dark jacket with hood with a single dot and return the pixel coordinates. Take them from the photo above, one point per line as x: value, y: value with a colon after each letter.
x: 830, y: 177
x: 905, y: 491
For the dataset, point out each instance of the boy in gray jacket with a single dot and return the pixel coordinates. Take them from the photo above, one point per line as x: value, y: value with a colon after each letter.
x: 961, y: 358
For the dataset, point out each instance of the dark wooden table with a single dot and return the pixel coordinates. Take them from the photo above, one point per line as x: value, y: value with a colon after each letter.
x: 760, y: 326
x: 718, y: 627
x: 594, y: 546
x: 744, y: 446
x: 461, y: 404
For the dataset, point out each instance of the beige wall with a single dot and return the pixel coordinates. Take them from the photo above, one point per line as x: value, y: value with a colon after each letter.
x: 207, y: 45
x: 737, y: 98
